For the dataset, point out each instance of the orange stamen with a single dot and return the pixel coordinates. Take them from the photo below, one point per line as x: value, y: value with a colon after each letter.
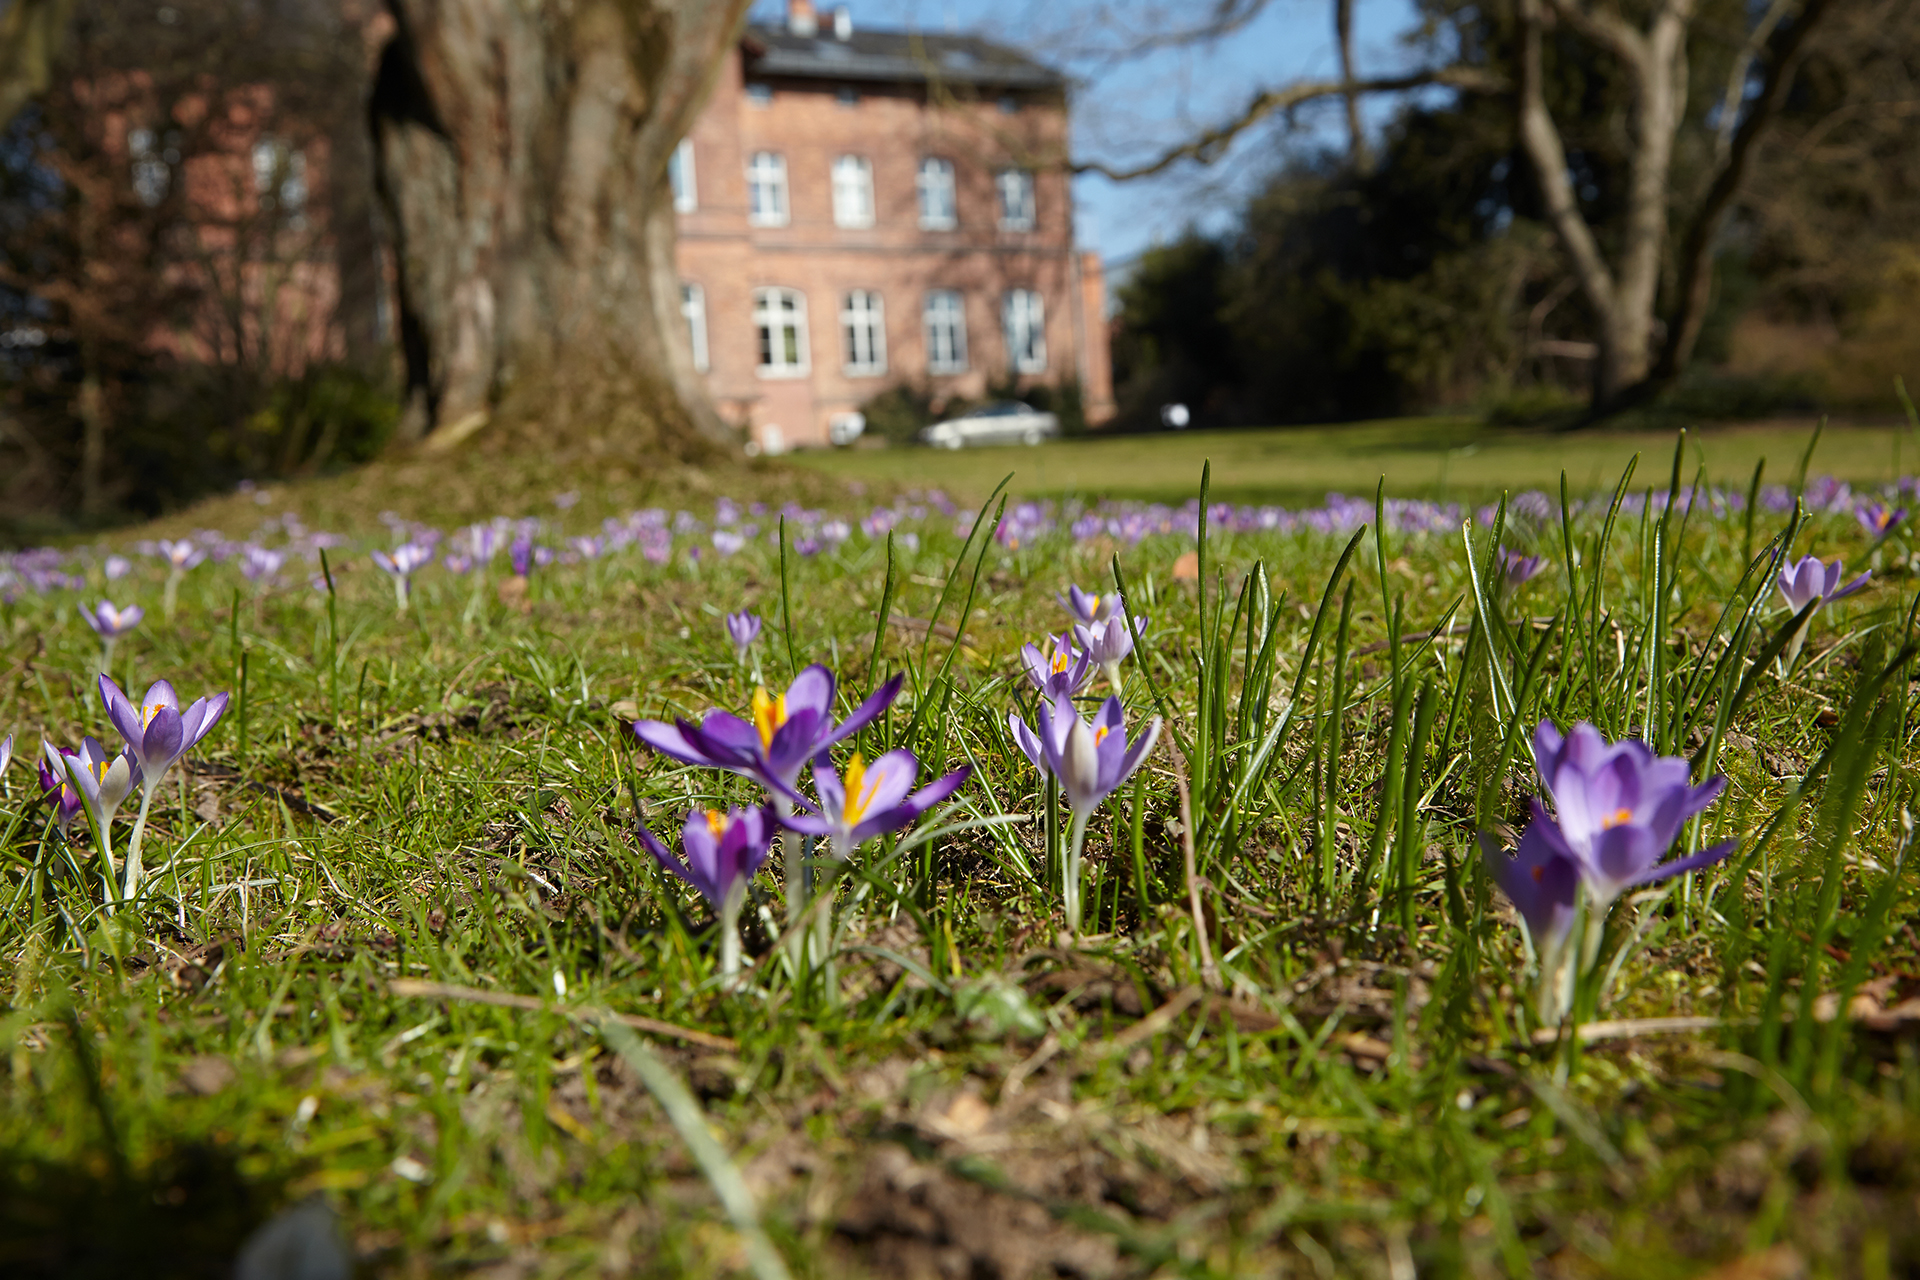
x: 860, y: 791
x: 769, y: 713
x: 1619, y: 817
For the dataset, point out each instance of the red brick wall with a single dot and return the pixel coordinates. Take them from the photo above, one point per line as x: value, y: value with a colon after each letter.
x: 893, y: 127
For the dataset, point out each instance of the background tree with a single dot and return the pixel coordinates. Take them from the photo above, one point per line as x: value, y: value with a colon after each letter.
x: 522, y: 154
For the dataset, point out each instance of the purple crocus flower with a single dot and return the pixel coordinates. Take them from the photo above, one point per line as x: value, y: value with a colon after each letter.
x: 520, y: 553
x: 407, y: 559
x: 786, y: 731
x: 116, y: 567
x: 1108, y: 643
x: 1090, y: 762
x: 181, y: 555
x: 6, y: 752
x: 1541, y: 881
x: 260, y: 564
x: 158, y: 732
x: 110, y: 622
x: 722, y: 853
x: 1059, y: 669
x: 1618, y: 809
x: 1089, y: 607
x: 726, y: 542
x: 1811, y: 579
x: 743, y: 628
x: 1517, y: 568
x: 56, y: 787
x: 103, y: 780
x: 1878, y: 519
x: 870, y: 800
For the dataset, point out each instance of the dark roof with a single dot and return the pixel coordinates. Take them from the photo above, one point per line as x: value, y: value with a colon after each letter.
x: 894, y: 56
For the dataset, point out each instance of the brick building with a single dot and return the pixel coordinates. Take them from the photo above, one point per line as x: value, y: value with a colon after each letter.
x: 859, y: 209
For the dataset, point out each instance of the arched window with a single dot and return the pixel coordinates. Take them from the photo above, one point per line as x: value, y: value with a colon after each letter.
x: 946, y: 324
x: 1024, y: 314
x: 852, y: 192
x: 767, y: 189
x: 863, y: 327
x: 936, y: 195
x: 780, y: 319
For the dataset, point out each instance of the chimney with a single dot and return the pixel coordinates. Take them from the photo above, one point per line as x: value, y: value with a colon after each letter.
x: 801, y: 18
x: 842, y: 22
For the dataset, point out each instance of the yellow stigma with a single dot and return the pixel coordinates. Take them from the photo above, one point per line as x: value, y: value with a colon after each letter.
x: 1619, y: 817
x: 716, y: 822
x: 148, y: 713
x: 769, y: 713
x: 1059, y: 660
x: 859, y: 791
x: 100, y: 770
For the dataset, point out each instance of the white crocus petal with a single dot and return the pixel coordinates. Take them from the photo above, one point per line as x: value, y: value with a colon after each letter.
x: 1080, y: 765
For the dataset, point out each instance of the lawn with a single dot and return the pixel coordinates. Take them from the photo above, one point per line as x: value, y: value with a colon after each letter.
x: 1422, y: 457
x: 402, y: 981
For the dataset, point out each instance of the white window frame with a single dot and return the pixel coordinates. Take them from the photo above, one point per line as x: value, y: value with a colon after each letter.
x: 863, y: 333
x: 693, y: 309
x: 767, y: 189
x: 852, y: 191
x: 939, y: 210
x: 1015, y: 188
x: 1023, y: 317
x: 945, y: 308
x: 778, y: 312
x: 683, y: 178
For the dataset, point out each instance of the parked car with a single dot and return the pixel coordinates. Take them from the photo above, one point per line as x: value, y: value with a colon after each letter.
x: 1002, y: 422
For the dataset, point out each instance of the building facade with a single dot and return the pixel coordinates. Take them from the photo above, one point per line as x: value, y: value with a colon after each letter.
x: 863, y: 209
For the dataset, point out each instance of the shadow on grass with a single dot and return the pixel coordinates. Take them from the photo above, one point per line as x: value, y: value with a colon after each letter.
x: 185, y: 1214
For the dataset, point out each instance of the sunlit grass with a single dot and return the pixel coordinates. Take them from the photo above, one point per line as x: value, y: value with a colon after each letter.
x: 393, y: 909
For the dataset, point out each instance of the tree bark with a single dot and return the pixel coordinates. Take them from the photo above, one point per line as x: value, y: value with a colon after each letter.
x: 521, y: 149
x: 1623, y: 297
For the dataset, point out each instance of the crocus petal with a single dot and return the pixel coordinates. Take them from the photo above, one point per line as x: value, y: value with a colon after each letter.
x: 1692, y: 862
x: 1025, y: 739
x: 867, y: 712
x: 160, y: 746
x: 665, y: 858
x: 1851, y: 587
x: 160, y: 694
x: 671, y: 740
x: 812, y: 690
x: 125, y: 716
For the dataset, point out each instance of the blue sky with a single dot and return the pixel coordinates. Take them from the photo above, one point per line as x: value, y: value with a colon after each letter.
x: 1127, y: 112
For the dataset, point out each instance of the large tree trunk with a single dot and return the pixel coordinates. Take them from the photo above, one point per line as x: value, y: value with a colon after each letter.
x: 522, y: 148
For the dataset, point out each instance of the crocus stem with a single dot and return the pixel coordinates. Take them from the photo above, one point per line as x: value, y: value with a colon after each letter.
x: 1076, y: 841
x: 171, y: 593
x: 400, y: 595
x: 793, y: 864
x: 134, y: 842
x: 730, y: 932
x: 106, y: 657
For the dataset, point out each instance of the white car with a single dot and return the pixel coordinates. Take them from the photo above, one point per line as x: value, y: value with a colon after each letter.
x: 1002, y: 422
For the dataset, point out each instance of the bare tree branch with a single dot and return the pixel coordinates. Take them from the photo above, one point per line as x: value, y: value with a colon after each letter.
x: 1549, y: 159
x: 1696, y: 253
x: 1210, y: 145
x: 1606, y: 29
x: 1737, y: 76
x: 1357, y: 146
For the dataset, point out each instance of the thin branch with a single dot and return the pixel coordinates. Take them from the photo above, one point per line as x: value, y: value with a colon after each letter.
x: 1209, y: 146
x: 1357, y: 146
x: 1607, y: 29
x: 1548, y: 155
x: 1696, y: 254
x: 1737, y: 74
